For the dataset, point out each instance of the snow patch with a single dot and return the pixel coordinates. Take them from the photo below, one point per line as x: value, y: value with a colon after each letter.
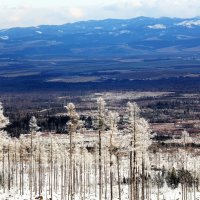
x: 3, y: 30
x: 124, y: 32
x: 98, y: 28
x: 152, y: 39
x: 157, y: 26
x: 4, y: 37
x: 184, y: 37
x: 189, y: 23
x: 80, y: 27
x: 123, y: 25
x: 89, y: 33
x: 39, y: 32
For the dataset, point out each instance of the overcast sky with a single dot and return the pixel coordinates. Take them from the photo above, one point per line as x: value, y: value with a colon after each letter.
x: 35, y: 12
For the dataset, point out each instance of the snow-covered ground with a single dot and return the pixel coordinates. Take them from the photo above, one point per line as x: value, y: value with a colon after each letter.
x: 165, y: 194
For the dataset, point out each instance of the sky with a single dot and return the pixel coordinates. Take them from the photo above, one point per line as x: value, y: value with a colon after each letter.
x: 22, y: 13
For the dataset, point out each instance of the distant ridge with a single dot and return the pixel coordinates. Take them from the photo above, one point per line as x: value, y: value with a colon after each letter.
x: 109, y: 37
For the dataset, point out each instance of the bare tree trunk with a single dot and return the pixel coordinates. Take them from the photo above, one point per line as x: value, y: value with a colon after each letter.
x: 195, y: 186
x: 12, y: 170
x: 74, y: 177
x: 22, y: 175
x: 100, y: 168
x: 158, y: 195
x: 131, y: 182
x: 54, y: 175
x: 148, y: 187
x: 182, y: 191
x: 31, y: 170
x: 65, y: 180
x: 81, y: 175
x: 77, y: 179
x: 9, y: 167
x: 95, y: 172
x: 20, y: 171
x: 136, y: 185
x: 84, y: 180
x: 134, y: 159
x: 51, y: 171
x: 89, y: 180
x: 16, y: 167
x: 105, y: 175
x: 70, y: 168
x: 143, y: 178
x: 111, y: 176
x: 35, y: 177
x: 119, y: 179
x: 61, y: 180
x: 40, y: 172
x: 3, y: 170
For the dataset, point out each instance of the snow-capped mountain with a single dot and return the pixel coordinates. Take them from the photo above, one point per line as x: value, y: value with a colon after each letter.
x: 190, y: 23
x: 109, y: 37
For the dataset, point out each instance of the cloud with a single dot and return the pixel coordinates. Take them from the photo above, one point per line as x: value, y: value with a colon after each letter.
x: 76, y: 13
x: 136, y: 4
x: 32, y: 13
x: 169, y: 8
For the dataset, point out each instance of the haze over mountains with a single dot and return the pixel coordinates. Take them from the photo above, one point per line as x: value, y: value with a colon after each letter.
x: 111, y: 37
x: 113, y: 54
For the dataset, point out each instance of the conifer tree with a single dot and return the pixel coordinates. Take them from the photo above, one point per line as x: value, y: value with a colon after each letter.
x: 4, y: 121
x: 172, y: 179
x: 72, y: 125
x: 4, y: 139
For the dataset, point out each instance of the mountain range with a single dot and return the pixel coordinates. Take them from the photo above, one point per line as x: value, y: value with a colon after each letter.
x: 110, y: 37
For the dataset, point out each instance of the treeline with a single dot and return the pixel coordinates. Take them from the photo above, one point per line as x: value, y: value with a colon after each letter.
x: 55, y: 124
x: 37, y: 84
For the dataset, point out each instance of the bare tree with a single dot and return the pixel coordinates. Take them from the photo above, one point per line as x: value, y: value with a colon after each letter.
x: 101, y: 125
x: 113, y: 119
x: 33, y: 130
x: 138, y: 128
